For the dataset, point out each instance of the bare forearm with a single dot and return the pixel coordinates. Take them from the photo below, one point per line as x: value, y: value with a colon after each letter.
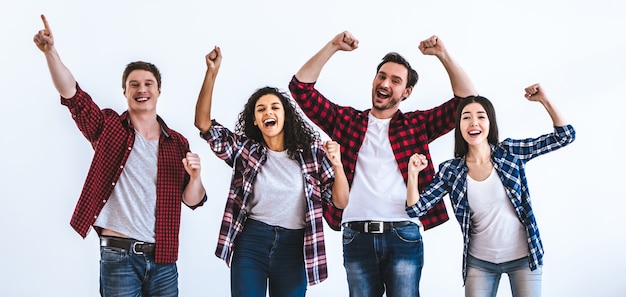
x: 310, y: 71
x: 462, y: 85
x: 203, y: 105
x: 341, y: 189
x: 557, y: 118
x: 412, y: 189
x: 194, y: 192
x: 62, y: 78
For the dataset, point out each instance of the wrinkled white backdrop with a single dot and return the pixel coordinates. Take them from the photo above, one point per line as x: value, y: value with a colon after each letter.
x: 574, y: 48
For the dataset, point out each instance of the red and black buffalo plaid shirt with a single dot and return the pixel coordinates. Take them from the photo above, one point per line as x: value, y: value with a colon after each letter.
x: 409, y: 133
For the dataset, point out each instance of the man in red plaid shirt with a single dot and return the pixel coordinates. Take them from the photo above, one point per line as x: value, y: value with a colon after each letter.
x: 382, y: 245
x: 140, y: 173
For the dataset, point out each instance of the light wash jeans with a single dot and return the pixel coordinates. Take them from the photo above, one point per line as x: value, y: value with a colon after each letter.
x: 483, y: 278
x: 389, y: 262
x: 268, y: 253
x: 124, y: 274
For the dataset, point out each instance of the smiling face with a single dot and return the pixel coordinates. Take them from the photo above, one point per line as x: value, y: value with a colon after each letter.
x: 141, y: 91
x: 269, y: 117
x: 474, y: 125
x: 389, y: 88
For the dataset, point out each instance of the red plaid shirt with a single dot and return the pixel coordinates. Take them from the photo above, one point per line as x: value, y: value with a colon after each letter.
x: 409, y: 133
x: 112, y: 137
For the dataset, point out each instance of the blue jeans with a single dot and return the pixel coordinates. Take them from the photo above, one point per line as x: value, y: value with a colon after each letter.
x: 483, y: 278
x: 263, y: 252
x: 125, y: 274
x: 390, y: 261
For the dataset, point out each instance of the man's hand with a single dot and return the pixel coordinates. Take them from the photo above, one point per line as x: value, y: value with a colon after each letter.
x: 192, y: 164
x: 345, y: 41
x: 44, y: 39
x: 432, y: 46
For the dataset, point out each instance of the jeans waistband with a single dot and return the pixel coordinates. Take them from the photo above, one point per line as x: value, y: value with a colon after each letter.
x: 128, y: 244
x: 375, y: 226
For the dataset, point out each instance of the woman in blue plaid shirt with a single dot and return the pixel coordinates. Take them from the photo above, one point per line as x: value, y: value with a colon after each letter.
x: 488, y: 190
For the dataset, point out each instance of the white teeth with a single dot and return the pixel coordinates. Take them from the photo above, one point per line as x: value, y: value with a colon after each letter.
x: 473, y: 132
x: 269, y: 121
x: 142, y: 99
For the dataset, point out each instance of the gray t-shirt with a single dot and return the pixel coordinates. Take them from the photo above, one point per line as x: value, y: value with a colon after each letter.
x: 279, y: 193
x: 132, y: 206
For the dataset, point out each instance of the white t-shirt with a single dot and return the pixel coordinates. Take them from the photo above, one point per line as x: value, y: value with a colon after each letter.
x: 378, y: 190
x: 497, y: 235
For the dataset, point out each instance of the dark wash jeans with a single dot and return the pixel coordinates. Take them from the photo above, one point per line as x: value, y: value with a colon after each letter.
x: 124, y: 274
x: 268, y: 253
x: 388, y: 262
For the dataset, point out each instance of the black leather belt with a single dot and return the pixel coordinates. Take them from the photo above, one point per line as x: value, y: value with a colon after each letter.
x: 374, y: 226
x: 131, y: 245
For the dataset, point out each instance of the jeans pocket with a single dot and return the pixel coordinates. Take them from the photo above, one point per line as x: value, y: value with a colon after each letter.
x: 112, y: 255
x: 409, y: 233
x: 348, y: 236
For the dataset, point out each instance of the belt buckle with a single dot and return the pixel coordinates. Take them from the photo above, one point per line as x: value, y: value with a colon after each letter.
x: 134, y: 247
x: 368, y: 227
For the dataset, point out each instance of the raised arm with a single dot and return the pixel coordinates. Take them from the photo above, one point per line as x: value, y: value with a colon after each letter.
x: 310, y: 71
x: 417, y: 163
x: 462, y: 85
x: 62, y: 78
x: 341, y: 189
x: 205, y: 98
x: 536, y: 93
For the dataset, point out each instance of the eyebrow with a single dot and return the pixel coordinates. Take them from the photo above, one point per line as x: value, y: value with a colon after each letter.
x: 476, y: 112
x: 393, y: 76
x: 147, y: 80
x: 271, y: 104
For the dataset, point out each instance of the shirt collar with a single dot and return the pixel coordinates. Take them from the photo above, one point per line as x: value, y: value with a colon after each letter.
x: 125, y: 119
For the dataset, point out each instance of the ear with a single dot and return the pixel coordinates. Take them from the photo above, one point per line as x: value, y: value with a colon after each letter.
x: 407, y: 92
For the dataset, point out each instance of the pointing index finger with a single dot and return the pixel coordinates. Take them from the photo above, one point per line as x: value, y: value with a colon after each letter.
x: 46, y: 26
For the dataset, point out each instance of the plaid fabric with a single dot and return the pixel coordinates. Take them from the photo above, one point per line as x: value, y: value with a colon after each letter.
x: 509, y: 158
x: 246, y: 157
x: 112, y: 137
x: 409, y: 133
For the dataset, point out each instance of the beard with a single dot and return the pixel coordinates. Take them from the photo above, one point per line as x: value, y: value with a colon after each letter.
x: 389, y: 103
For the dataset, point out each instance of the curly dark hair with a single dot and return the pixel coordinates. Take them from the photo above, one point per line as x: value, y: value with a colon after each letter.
x: 299, y: 135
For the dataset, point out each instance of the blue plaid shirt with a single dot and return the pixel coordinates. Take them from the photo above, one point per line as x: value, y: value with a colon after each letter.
x: 246, y: 157
x: 508, y: 158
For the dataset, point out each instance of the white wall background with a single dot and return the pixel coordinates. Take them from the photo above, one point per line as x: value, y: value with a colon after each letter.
x: 574, y: 48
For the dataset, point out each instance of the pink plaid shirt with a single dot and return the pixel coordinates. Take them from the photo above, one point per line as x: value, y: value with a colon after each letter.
x: 246, y: 157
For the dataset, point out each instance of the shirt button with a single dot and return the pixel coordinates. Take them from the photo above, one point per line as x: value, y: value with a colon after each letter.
x: 129, y: 148
x: 104, y: 201
x: 121, y: 166
x: 113, y: 184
